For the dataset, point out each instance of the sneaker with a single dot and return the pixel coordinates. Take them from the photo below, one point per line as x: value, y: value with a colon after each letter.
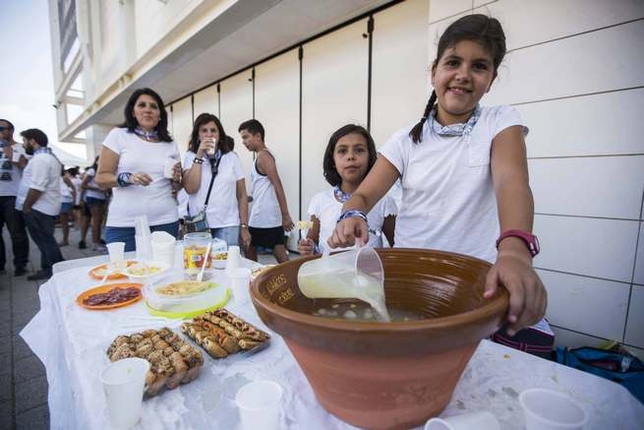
x: 98, y: 247
x: 39, y: 275
x: 19, y: 271
x: 82, y: 245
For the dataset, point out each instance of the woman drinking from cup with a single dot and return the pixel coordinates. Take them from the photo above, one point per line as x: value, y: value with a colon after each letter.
x: 132, y: 162
x: 214, y: 173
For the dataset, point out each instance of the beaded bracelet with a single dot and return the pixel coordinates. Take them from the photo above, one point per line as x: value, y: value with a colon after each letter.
x: 123, y: 179
x: 353, y: 213
x: 198, y: 160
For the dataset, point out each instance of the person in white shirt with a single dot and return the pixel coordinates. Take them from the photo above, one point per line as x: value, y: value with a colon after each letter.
x: 269, y: 217
x: 95, y: 201
x: 213, y: 171
x: 39, y: 199
x: 464, y: 173
x: 132, y: 162
x: 12, y: 163
x: 68, y: 195
x: 348, y: 157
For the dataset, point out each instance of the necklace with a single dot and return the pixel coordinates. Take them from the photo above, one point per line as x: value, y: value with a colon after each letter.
x: 340, y: 195
x: 147, y: 135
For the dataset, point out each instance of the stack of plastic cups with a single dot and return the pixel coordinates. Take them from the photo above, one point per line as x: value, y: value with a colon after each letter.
x: 239, y: 276
x: 142, y: 238
x: 163, y: 248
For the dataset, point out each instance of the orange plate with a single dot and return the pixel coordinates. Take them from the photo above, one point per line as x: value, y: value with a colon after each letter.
x: 104, y: 289
x: 93, y: 273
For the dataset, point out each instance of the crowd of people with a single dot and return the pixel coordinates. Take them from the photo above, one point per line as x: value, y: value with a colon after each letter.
x: 462, y: 170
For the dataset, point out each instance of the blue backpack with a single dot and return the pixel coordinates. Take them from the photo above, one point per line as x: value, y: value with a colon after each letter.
x: 624, y: 369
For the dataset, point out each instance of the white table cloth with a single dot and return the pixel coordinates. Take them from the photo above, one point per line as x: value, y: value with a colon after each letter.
x: 71, y: 342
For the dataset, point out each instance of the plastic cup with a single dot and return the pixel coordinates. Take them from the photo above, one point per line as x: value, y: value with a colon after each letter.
x: 259, y: 405
x: 123, y: 383
x: 232, y: 263
x: 551, y: 410
x: 116, y: 251
x: 143, y: 247
x: 482, y: 420
x: 347, y: 270
x: 239, y: 279
x: 163, y: 247
x: 168, y: 168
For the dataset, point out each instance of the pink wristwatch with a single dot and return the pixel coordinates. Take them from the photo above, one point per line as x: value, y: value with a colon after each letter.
x: 530, y: 240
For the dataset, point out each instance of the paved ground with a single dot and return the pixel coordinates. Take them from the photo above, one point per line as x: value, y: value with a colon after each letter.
x: 23, y: 382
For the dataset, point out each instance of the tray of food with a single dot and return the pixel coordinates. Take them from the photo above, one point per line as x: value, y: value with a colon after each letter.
x: 221, y: 333
x: 99, y: 272
x: 173, y: 298
x: 110, y: 296
x: 173, y: 361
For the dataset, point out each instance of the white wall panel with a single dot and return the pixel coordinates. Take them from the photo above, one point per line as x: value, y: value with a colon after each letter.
x: 182, y: 123
x: 602, y: 124
x: 237, y: 107
x: 334, y: 93
x: 277, y: 107
x: 207, y: 101
x: 587, y: 246
x: 518, y: 17
x: 639, y: 264
x: 400, y: 68
x: 600, y: 306
x: 595, y: 186
x: 573, y: 339
x: 599, y: 61
x: 635, y: 323
x: 442, y: 9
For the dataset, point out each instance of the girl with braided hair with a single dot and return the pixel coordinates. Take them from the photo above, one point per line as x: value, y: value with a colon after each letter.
x: 464, y: 173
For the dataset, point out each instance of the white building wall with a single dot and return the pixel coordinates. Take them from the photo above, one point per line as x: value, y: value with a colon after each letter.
x: 578, y: 82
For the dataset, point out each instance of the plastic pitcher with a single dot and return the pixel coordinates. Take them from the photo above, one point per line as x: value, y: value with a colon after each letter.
x: 352, y: 274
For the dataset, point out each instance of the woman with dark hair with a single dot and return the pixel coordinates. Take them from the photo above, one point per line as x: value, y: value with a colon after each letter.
x: 210, y: 154
x: 133, y: 159
x: 349, y: 156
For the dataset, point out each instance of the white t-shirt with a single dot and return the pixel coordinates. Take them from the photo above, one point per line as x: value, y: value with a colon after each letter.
x: 10, y: 174
x: 223, y: 208
x: 92, y: 183
x: 43, y: 174
x: 65, y: 192
x: 76, y: 182
x: 265, y: 211
x: 155, y: 200
x: 327, y: 209
x: 448, y: 200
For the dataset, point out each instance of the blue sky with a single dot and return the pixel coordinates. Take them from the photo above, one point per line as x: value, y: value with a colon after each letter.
x: 26, y: 77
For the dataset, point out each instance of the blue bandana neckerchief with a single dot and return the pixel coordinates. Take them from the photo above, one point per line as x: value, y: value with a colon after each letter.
x: 43, y: 150
x: 454, y: 129
x: 340, y: 195
x: 147, y: 135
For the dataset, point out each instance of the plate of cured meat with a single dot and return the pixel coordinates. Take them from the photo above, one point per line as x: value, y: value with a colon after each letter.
x: 110, y: 296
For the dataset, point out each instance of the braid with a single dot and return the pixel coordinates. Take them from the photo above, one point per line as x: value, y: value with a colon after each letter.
x: 416, y: 133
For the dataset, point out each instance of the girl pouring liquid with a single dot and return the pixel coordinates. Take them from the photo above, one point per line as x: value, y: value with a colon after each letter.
x: 464, y: 173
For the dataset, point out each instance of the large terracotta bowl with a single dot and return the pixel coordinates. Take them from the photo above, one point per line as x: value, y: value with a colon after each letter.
x: 387, y: 375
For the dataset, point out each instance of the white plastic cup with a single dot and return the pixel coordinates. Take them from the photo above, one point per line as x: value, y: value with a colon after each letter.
x: 168, y: 168
x: 163, y: 248
x: 551, y: 410
x: 116, y: 251
x: 259, y: 405
x: 143, y: 247
x: 482, y: 420
x: 232, y: 262
x: 239, y: 279
x: 123, y: 383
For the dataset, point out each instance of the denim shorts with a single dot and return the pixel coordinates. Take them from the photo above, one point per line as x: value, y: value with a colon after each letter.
x: 65, y: 208
x: 229, y: 234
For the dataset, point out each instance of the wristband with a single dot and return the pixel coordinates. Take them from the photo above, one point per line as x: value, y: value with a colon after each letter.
x: 353, y: 213
x: 198, y: 160
x: 123, y: 179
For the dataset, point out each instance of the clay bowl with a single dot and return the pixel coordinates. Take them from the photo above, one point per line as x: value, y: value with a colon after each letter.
x: 387, y: 375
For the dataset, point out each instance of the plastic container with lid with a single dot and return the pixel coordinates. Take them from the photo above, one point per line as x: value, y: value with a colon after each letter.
x: 195, y: 246
x: 180, y: 305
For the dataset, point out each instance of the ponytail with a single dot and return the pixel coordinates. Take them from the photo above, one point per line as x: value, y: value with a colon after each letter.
x: 416, y: 133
